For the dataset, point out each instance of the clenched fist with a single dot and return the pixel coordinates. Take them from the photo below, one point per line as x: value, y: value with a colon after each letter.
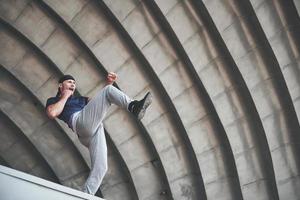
x: 111, y: 77
x: 66, y: 93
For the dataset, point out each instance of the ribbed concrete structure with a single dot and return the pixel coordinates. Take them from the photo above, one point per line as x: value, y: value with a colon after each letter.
x: 225, y: 76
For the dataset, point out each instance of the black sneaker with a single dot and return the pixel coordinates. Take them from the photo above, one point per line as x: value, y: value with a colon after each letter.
x: 138, y: 108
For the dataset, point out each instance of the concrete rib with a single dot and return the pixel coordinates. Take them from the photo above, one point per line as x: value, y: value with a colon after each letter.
x: 281, y: 35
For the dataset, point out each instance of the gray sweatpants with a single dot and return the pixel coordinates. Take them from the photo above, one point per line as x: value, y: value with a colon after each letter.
x: 89, y: 127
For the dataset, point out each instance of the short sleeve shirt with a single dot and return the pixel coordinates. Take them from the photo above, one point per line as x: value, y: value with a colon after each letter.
x: 73, y: 105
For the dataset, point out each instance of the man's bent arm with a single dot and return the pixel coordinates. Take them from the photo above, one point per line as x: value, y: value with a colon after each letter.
x: 54, y: 110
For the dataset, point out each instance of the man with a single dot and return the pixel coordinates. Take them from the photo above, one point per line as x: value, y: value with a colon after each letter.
x: 84, y: 116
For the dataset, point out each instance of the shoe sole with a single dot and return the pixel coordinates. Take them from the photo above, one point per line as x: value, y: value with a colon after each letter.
x: 147, y: 102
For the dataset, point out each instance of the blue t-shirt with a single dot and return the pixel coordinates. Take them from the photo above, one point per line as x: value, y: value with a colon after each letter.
x: 73, y: 104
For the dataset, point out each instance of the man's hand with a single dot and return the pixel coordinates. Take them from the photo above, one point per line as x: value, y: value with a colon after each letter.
x: 111, y: 78
x: 66, y: 93
x: 54, y: 110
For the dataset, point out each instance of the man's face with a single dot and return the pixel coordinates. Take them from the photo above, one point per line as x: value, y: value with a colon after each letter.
x: 68, y: 85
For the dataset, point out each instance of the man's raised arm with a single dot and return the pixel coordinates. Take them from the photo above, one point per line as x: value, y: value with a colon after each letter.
x: 55, y: 109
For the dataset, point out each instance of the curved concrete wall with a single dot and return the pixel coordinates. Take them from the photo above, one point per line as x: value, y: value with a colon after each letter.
x: 225, y: 79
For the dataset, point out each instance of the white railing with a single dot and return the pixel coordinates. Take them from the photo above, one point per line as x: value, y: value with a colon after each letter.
x: 16, y: 185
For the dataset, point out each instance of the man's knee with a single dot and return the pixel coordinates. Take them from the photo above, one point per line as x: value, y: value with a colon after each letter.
x: 108, y: 90
x: 108, y: 87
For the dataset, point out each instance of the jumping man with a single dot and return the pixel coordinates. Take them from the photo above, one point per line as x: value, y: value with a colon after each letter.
x: 85, y: 117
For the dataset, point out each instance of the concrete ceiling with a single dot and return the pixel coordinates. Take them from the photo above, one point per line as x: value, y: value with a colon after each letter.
x: 225, y: 76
